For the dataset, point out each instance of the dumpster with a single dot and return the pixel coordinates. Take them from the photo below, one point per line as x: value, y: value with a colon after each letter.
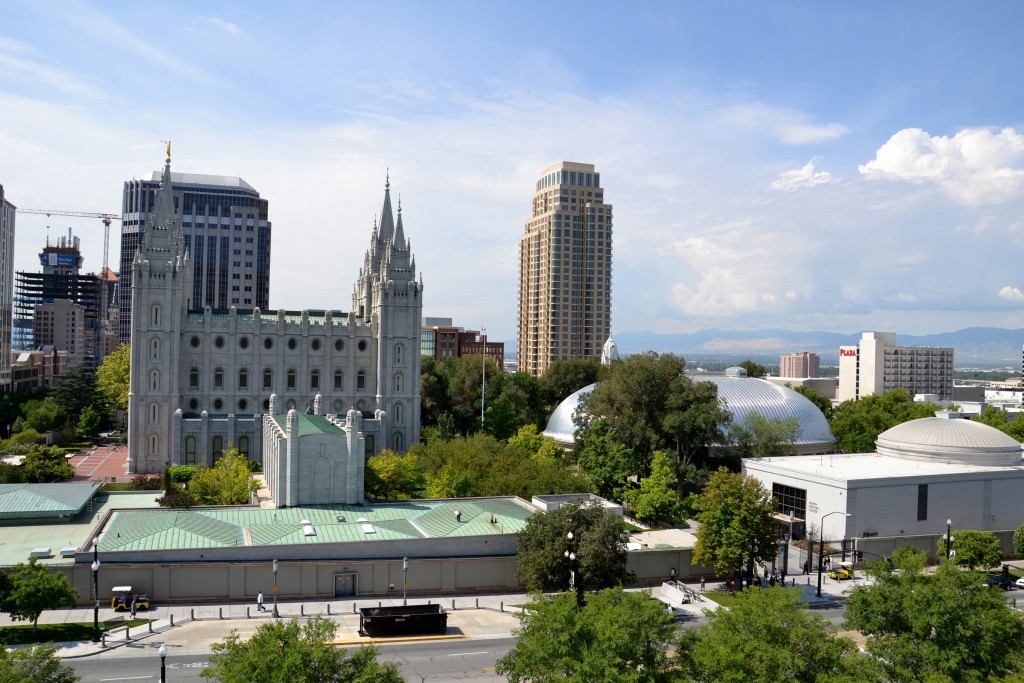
x: 406, y: 620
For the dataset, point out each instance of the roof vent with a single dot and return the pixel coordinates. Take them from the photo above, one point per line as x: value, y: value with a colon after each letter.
x: 308, y: 530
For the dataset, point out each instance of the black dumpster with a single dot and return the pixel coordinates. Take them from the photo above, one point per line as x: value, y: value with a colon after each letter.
x: 406, y: 620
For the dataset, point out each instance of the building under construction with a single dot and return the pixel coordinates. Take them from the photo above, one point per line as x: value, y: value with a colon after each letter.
x: 64, y: 308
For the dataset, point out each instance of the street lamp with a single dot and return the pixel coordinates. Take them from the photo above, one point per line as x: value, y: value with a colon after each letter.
x: 405, y: 578
x: 949, y: 539
x: 95, y: 590
x: 821, y: 543
x: 275, y: 614
x: 785, y: 548
x: 163, y: 662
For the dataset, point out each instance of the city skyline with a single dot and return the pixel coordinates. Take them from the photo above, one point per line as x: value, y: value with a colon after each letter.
x: 809, y: 167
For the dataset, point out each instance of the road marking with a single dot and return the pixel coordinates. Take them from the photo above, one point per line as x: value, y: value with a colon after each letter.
x: 132, y: 678
x: 466, y: 654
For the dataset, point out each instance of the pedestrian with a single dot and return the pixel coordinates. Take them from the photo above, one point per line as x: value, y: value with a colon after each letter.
x: 807, y: 567
x: 259, y: 603
x: 672, y: 574
x: 134, y: 607
x: 702, y: 584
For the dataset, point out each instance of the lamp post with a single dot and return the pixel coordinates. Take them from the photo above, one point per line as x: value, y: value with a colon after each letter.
x: 95, y: 590
x: 275, y: 614
x: 570, y: 555
x: 405, y: 578
x: 163, y: 662
x: 821, y: 543
x: 949, y: 539
x: 785, y: 548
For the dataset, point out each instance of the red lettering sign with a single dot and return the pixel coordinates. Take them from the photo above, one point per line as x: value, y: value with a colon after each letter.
x: 847, y: 352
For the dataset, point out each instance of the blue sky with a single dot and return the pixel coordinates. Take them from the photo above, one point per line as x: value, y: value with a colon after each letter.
x: 804, y: 165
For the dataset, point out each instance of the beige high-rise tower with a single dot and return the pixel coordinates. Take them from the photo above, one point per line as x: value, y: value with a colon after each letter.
x: 565, y: 269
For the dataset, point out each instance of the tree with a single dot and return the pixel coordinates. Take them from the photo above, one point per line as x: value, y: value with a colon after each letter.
x: 857, y: 423
x: 43, y: 416
x: 598, y: 540
x: 112, y: 376
x: 34, y: 664
x: 824, y: 403
x: 228, y: 482
x: 565, y: 377
x: 921, y: 625
x: 34, y: 589
x: 44, y: 465
x: 605, y: 461
x: 736, y: 523
x: 759, y: 437
x: 767, y: 636
x: 753, y: 369
x: 616, y: 636
x: 1018, y: 541
x: 285, y: 652
x: 395, y: 475
x: 89, y: 421
x: 696, y: 419
x: 76, y: 389
x: 655, y: 501
x: 974, y: 549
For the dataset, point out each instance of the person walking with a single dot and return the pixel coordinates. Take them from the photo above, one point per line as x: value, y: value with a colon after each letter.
x: 702, y: 584
x: 672, y: 574
x: 259, y: 603
x: 134, y: 607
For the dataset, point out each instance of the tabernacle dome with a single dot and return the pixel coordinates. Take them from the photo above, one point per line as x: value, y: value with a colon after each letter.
x: 743, y: 395
x: 946, y: 438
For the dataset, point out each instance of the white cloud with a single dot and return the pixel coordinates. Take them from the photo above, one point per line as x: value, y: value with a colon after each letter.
x: 805, y: 133
x: 789, y: 127
x: 1011, y: 293
x: 231, y: 29
x: 976, y: 166
x: 901, y: 298
x: 802, y: 177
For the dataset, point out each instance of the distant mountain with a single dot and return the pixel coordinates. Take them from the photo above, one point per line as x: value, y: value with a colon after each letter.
x: 973, y: 346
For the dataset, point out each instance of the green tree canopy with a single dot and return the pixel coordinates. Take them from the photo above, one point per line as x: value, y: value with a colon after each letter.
x: 824, y: 403
x: 42, y: 416
x: 34, y: 664
x: 228, y: 482
x: 616, y: 636
x: 598, y: 540
x: 34, y: 589
x: 1018, y: 540
x: 606, y: 461
x: 390, y: 475
x: 113, y: 377
x: 285, y: 652
x: 46, y: 464
x: 946, y: 624
x: 77, y: 389
x: 996, y: 417
x: 655, y: 501
x: 565, y: 377
x: 857, y: 423
x: 767, y: 636
x: 736, y: 523
x: 974, y: 549
x: 757, y: 436
x: 753, y: 369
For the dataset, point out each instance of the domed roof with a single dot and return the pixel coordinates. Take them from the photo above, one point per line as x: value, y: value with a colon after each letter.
x: 742, y: 395
x: 951, y: 440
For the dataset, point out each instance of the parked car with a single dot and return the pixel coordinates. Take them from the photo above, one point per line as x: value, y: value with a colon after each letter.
x: 1000, y: 579
x: 842, y: 571
x: 1020, y: 582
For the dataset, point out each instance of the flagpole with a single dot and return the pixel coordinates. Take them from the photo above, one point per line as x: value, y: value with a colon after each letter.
x: 483, y: 374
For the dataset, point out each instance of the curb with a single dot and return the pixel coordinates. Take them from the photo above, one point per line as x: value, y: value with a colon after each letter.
x: 110, y: 647
x: 404, y: 639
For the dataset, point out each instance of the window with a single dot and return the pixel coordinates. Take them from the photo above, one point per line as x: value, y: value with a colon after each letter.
x: 362, y: 344
x: 338, y: 379
x: 243, y: 405
x: 243, y: 445
x: 244, y: 342
x: 218, y: 405
x: 292, y: 343
x: 361, y: 380
x: 398, y: 382
x: 194, y: 342
x: 152, y: 444
x: 155, y: 316
x: 155, y: 350
x: 339, y: 345
x: 152, y: 413
x: 218, y: 378
x: 315, y: 344
x: 219, y: 342
x: 398, y: 413
x: 314, y: 380
x: 268, y: 343
x: 369, y: 452
x: 190, y: 450
x: 218, y: 448
x: 243, y: 379
x: 193, y: 404
x: 398, y: 354
x: 398, y: 443
x: 268, y: 378
x: 193, y: 378
x: 154, y: 380
x: 922, y: 502
x: 291, y: 379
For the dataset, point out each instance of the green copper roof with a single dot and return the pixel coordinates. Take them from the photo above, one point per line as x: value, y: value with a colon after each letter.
x: 44, y: 500
x: 310, y: 424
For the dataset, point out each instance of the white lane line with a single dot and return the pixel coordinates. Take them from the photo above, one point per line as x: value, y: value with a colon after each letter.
x: 132, y: 678
x: 466, y: 654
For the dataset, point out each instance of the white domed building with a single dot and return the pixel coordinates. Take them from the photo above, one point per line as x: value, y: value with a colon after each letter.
x: 923, y: 473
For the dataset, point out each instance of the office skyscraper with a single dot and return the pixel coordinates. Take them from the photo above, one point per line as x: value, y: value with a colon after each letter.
x: 565, y: 269
x: 6, y: 288
x: 226, y: 233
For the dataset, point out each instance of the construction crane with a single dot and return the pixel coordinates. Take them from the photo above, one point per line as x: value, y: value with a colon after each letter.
x: 105, y: 217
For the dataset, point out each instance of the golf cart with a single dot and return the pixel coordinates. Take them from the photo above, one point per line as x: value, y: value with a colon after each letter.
x: 842, y: 571
x: 123, y: 596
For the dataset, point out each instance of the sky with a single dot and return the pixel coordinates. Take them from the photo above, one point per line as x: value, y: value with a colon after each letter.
x: 831, y: 166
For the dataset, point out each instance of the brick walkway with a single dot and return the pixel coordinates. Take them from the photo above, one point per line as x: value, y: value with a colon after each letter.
x: 103, y: 463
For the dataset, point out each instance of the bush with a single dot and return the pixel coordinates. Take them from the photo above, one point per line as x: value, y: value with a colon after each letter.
x: 176, y: 499
x: 183, y: 473
x: 45, y: 465
x: 255, y: 466
x: 142, y: 482
x: 11, y: 474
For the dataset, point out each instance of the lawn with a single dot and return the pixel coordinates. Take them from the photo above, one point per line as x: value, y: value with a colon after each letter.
x: 22, y: 634
x: 631, y: 527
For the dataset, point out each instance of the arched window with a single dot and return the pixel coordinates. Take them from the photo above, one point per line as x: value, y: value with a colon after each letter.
x: 361, y: 380
x: 155, y: 315
x: 369, y: 451
x: 152, y: 413
x: 338, y: 377
x: 243, y: 379
x: 243, y: 445
x: 155, y: 349
x: 218, y: 377
x: 154, y: 380
x: 291, y: 379
x: 398, y: 413
x: 218, y: 448
x: 398, y: 382
x: 190, y: 450
x: 268, y: 378
x: 314, y: 380
x: 398, y: 354
x: 398, y: 443
x: 152, y: 444
x: 193, y: 378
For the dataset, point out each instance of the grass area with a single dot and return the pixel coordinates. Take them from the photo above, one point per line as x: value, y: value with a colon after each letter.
x: 117, y: 486
x: 631, y: 527
x: 22, y: 634
x: 723, y: 598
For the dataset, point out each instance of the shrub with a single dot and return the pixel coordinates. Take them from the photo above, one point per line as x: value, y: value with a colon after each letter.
x: 142, y: 482
x: 255, y: 466
x: 176, y: 499
x: 184, y: 473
